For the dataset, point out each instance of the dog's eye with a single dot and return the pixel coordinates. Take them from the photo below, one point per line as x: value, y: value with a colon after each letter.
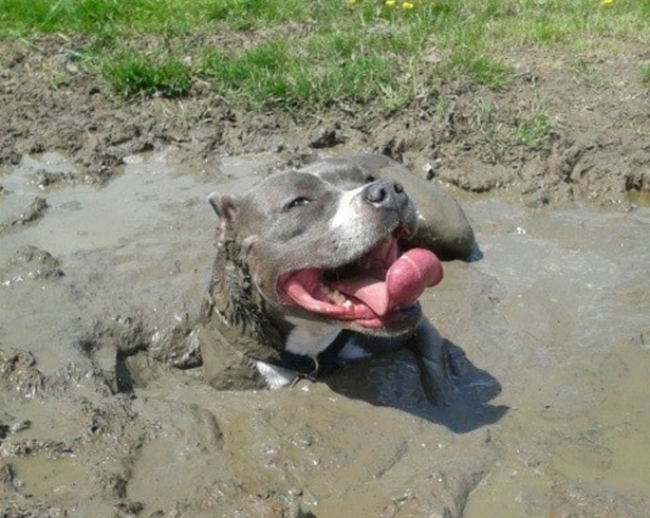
x: 297, y: 202
x: 369, y: 179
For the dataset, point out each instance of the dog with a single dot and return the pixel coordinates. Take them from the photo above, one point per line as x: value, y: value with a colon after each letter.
x: 323, y: 265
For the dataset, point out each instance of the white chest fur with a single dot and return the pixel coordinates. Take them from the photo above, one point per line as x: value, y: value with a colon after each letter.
x: 310, y: 338
x: 307, y: 339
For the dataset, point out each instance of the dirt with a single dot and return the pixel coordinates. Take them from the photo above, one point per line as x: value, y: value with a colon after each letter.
x: 594, y: 149
x: 103, y: 411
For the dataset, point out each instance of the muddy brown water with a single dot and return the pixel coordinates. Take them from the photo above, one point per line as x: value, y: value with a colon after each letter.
x: 103, y: 413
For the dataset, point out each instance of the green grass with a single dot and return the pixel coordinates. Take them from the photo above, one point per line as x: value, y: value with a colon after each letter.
x: 247, y: 14
x: 510, y: 21
x: 130, y: 73
x: 305, y: 54
x: 645, y: 73
x: 495, y: 131
x: 483, y: 70
x: 280, y: 73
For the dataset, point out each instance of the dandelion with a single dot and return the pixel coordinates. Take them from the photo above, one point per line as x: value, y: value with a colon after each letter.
x: 407, y: 5
x: 352, y: 2
x: 607, y: 2
x: 390, y: 3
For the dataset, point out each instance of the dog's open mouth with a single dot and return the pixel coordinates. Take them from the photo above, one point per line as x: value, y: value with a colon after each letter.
x: 373, y: 288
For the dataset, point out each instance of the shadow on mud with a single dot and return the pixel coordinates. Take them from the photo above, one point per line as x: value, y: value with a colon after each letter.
x: 393, y: 381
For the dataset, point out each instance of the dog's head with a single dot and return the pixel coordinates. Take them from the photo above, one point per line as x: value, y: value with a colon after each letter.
x: 332, y: 247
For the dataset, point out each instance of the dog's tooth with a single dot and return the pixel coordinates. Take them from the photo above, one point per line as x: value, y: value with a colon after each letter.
x: 337, y: 297
x: 347, y: 303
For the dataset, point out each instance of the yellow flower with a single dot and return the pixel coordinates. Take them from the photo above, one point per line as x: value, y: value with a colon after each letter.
x: 352, y: 2
x: 390, y: 3
x: 407, y: 5
x: 607, y: 2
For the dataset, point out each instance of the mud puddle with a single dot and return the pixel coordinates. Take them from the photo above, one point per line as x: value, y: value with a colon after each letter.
x: 102, y: 410
x: 84, y: 217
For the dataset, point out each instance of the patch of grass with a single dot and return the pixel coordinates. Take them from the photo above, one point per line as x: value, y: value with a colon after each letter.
x: 98, y: 16
x: 586, y: 72
x: 497, y: 21
x: 562, y: 23
x: 530, y: 129
x: 645, y: 73
x: 397, y: 40
x: 495, y: 131
x: 483, y: 70
x: 278, y: 73
x: 336, y: 45
x: 320, y: 51
x: 59, y: 80
x: 170, y: 17
x: 132, y: 73
x: 581, y: 66
x: 247, y: 14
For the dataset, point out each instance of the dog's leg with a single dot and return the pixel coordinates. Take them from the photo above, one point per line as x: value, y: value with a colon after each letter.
x: 429, y: 349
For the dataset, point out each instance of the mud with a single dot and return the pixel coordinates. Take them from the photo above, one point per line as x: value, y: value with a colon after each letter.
x: 592, y: 109
x: 103, y: 411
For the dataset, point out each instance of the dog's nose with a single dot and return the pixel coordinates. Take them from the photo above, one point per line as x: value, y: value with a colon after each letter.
x: 385, y: 193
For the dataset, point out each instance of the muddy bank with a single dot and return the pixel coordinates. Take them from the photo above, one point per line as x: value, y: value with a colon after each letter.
x: 103, y: 413
x: 560, y: 133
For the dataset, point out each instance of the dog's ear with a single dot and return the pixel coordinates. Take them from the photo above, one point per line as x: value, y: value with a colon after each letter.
x: 226, y: 208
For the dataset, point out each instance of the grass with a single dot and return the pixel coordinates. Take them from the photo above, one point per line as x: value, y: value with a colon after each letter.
x: 645, y: 73
x: 494, y: 131
x: 130, y: 73
x: 483, y: 70
x: 279, y: 73
x: 304, y: 55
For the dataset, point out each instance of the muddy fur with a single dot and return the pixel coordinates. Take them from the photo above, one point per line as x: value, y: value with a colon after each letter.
x: 236, y: 324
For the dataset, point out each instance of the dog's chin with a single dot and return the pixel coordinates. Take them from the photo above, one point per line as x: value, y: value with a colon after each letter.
x: 394, y: 323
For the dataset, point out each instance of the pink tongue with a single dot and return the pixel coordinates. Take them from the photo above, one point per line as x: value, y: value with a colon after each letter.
x: 405, y: 281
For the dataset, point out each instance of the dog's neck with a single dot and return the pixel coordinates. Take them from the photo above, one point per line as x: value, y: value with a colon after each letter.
x: 238, y: 317
x: 242, y: 314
